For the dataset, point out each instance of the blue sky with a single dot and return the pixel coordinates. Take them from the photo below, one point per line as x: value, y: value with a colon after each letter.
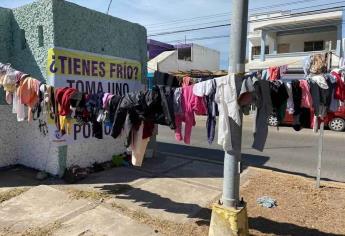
x: 160, y: 16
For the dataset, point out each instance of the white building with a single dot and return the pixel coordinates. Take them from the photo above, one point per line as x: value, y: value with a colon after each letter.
x: 186, y: 57
x: 280, y: 38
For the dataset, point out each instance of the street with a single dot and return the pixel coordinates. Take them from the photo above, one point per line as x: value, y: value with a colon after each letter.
x: 286, y: 150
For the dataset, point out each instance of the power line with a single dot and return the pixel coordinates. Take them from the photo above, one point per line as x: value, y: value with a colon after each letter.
x: 202, y: 24
x: 109, y: 6
x: 202, y: 38
x: 257, y: 20
x: 228, y: 13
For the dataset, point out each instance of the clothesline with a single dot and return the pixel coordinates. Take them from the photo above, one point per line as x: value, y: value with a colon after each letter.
x: 134, y: 114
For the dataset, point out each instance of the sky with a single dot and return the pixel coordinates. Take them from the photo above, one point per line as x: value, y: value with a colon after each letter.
x: 162, y: 16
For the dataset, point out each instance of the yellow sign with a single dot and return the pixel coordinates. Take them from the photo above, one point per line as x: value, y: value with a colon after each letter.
x: 66, y: 62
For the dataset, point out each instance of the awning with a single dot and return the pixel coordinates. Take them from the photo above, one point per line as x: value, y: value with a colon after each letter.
x: 301, y: 24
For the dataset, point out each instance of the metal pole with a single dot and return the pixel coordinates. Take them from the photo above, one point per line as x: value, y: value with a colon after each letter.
x: 320, y: 150
x: 232, y: 160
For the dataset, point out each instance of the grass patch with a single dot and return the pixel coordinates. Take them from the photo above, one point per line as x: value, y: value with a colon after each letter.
x: 7, y: 195
x: 85, y: 194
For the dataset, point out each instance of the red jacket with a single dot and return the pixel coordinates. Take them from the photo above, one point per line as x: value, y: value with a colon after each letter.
x: 339, y: 92
x: 62, y: 97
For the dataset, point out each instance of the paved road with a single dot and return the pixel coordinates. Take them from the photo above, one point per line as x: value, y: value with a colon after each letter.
x: 286, y: 150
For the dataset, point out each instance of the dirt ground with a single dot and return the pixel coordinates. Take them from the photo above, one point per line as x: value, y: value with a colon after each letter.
x: 302, y: 209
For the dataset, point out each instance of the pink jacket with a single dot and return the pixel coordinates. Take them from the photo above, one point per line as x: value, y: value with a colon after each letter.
x: 307, y: 100
x: 190, y: 104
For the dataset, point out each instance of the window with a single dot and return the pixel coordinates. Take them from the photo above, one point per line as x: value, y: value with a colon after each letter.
x: 184, y: 53
x: 257, y: 50
x: 40, y: 36
x: 314, y: 46
x: 22, y: 39
x: 283, y: 48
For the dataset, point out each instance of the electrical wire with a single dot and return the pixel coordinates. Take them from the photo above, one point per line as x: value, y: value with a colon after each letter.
x: 256, y: 20
x: 109, y: 6
x: 223, y: 21
x: 228, y: 13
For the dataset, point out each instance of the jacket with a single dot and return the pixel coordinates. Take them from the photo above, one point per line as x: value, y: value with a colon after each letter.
x: 135, y: 107
x: 339, y: 92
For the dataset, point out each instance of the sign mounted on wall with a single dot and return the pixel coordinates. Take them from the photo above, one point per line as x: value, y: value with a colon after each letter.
x: 89, y: 73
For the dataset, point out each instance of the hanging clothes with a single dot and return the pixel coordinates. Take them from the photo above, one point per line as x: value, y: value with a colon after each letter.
x: 136, y: 107
x: 208, y: 90
x: 274, y: 73
x: 245, y: 97
x: 263, y: 102
x: 283, y: 69
x: 186, y: 81
x: 18, y: 108
x: 27, y: 93
x: 165, y: 115
x: 229, y: 115
x: 190, y: 104
x: 94, y: 105
x: 307, y: 101
x: 318, y: 64
x: 297, y: 101
x: 265, y: 74
x: 320, y: 97
x: 279, y: 96
x: 290, y: 106
x: 339, y: 92
x: 138, y: 145
x: 178, y: 101
x: 165, y: 79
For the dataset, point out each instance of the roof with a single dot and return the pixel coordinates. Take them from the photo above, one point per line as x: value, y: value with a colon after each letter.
x: 307, y: 23
x: 200, y: 73
x: 152, y: 64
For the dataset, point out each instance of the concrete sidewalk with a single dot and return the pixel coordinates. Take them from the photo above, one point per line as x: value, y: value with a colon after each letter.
x: 168, y: 191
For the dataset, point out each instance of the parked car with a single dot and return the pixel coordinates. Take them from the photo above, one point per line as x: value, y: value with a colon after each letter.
x: 335, y: 121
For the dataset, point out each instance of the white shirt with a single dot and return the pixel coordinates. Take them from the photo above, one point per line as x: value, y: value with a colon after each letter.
x: 226, y: 98
x: 203, y: 88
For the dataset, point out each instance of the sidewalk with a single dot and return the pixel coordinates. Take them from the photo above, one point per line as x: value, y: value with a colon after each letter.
x: 170, y: 195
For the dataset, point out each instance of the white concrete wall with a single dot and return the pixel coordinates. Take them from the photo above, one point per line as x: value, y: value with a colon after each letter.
x: 8, y: 133
x: 98, y: 150
x: 317, y: 16
x: 296, y: 42
x: 22, y: 143
x: 202, y: 59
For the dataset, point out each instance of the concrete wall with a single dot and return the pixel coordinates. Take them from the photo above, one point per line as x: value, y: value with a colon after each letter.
x: 33, y: 59
x: 294, y: 19
x: 5, y: 39
x: 296, y: 42
x: 202, y: 59
x: 5, y: 33
x: 70, y: 26
x: 22, y: 143
x: 83, y: 29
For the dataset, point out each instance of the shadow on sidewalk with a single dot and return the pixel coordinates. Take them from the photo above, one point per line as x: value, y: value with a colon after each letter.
x: 268, y: 226
x: 146, y: 199
x: 218, y: 155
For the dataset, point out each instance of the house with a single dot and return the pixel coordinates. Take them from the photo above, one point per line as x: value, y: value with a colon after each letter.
x: 183, y: 57
x: 283, y: 37
x: 27, y: 34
